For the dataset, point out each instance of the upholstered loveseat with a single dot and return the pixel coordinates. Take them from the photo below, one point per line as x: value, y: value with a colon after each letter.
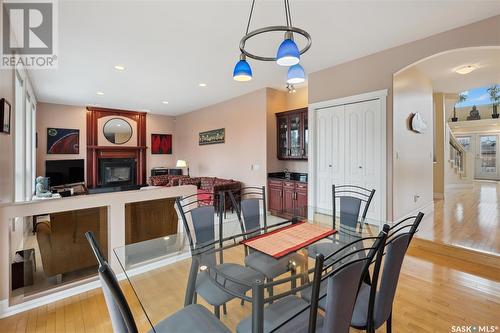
x: 208, y: 187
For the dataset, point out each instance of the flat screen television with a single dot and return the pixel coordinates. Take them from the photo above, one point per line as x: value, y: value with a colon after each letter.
x: 62, y: 172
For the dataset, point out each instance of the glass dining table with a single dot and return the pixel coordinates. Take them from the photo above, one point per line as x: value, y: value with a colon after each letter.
x: 161, y: 273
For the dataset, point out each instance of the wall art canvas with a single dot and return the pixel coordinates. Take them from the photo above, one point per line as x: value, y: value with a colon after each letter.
x: 161, y: 144
x: 212, y: 137
x: 5, y: 110
x: 63, y: 141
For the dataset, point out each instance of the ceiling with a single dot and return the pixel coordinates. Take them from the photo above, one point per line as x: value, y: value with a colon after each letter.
x: 169, y: 47
x: 441, y: 69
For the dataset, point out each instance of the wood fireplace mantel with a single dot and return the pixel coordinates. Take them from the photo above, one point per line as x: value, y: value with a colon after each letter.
x: 95, y: 152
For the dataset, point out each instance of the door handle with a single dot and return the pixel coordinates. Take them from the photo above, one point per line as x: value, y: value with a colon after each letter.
x: 360, y: 167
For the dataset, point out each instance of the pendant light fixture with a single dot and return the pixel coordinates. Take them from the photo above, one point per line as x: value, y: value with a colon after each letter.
x: 288, y: 53
x: 242, y: 71
x: 296, y: 74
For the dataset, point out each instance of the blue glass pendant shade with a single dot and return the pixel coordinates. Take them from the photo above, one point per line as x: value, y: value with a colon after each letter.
x: 288, y: 53
x: 296, y: 74
x: 242, y: 71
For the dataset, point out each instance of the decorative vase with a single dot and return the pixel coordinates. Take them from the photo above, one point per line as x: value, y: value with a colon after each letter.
x: 494, y: 115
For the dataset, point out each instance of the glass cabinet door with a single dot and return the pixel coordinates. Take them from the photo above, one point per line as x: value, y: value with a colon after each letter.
x: 282, y: 137
x: 306, y: 136
x: 295, y: 136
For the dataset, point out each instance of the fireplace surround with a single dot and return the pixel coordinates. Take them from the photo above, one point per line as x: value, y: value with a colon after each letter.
x: 96, y: 152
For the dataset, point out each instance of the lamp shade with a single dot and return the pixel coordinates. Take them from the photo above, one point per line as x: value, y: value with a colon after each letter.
x: 288, y: 53
x: 242, y: 71
x: 181, y: 164
x: 296, y: 74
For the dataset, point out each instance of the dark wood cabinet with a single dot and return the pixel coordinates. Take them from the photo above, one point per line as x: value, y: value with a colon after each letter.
x: 275, y: 195
x: 292, y: 134
x: 287, y: 198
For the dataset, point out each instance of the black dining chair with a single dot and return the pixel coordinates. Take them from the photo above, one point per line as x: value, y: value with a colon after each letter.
x: 247, y: 202
x: 343, y: 274
x: 193, y: 318
x: 411, y: 223
x: 353, y: 203
x: 374, y: 303
x: 198, y: 219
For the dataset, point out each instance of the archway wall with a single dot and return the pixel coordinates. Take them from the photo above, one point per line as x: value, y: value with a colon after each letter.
x: 375, y: 72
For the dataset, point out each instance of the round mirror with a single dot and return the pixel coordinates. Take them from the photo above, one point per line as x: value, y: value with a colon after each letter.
x: 117, y: 131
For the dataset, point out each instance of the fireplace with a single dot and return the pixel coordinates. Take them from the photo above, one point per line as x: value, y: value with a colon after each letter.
x: 117, y: 171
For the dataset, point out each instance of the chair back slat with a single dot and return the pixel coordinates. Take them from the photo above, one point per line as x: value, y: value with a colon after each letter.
x: 250, y: 211
x: 247, y: 204
x: 349, y: 211
x: 119, y: 310
x: 341, y: 295
x: 354, y: 202
x: 395, y: 253
x: 199, y: 222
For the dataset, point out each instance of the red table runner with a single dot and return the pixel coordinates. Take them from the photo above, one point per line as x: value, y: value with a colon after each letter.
x: 280, y: 242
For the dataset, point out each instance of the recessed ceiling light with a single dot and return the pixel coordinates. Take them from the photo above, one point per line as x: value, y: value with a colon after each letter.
x: 466, y: 69
x: 100, y: 93
x: 165, y: 102
x: 202, y: 84
x: 120, y: 68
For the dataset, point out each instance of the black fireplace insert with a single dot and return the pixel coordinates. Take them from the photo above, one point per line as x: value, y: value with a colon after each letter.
x: 117, y: 172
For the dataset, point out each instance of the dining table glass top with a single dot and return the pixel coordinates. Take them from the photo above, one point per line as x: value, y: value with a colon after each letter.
x: 160, y: 272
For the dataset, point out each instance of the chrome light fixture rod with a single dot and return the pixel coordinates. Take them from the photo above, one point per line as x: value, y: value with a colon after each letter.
x: 289, y: 30
x: 272, y: 29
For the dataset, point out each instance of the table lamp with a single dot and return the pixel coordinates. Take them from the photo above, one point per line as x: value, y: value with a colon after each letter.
x: 183, y: 164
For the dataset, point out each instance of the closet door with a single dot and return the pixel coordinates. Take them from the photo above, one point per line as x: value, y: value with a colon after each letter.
x: 364, y: 149
x: 330, y: 153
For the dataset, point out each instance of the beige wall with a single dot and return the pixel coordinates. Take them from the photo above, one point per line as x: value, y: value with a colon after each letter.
x: 439, y: 132
x: 413, y: 162
x: 375, y: 72
x: 158, y: 124
x: 58, y: 116
x: 244, y: 119
x: 67, y: 116
x: 7, y: 140
x: 7, y: 171
x: 279, y: 101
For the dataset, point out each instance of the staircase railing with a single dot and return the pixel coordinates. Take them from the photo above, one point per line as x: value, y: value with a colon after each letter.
x: 457, y: 154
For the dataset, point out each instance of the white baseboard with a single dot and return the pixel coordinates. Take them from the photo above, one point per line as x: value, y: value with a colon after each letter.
x: 6, y: 310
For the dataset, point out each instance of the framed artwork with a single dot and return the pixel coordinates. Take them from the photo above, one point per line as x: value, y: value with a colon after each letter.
x: 161, y: 144
x: 5, y: 110
x: 63, y: 141
x: 212, y: 137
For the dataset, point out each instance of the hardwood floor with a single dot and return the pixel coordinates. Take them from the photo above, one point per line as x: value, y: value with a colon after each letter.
x: 467, y: 217
x: 433, y: 294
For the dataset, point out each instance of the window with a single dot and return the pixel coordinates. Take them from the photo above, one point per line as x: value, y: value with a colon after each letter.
x: 477, y: 96
x: 25, y: 137
x: 19, y: 189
